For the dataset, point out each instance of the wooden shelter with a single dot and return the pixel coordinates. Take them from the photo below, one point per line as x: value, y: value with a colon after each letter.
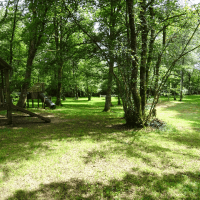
x: 5, y: 100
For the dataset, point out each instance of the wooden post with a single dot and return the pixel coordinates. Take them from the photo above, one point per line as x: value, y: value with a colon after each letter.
x: 27, y: 102
x: 8, y: 99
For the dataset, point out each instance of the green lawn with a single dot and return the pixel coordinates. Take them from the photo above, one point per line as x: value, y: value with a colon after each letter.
x: 85, y: 153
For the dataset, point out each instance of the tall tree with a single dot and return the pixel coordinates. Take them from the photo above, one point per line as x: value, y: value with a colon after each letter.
x: 147, y: 24
x: 58, y: 28
x: 35, y: 30
x: 107, y: 14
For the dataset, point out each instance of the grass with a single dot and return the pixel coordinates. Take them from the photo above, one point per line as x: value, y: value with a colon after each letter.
x: 85, y: 153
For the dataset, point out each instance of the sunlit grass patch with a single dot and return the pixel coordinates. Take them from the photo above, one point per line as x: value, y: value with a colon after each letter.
x: 185, y: 114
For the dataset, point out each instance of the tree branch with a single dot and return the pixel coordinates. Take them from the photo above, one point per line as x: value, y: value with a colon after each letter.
x: 94, y: 41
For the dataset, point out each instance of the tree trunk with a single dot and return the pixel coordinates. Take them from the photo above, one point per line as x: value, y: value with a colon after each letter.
x: 88, y: 92
x: 133, y: 110
x: 108, y: 103
x: 89, y: 96
x: 59, y: 88
x: 174, y: 95
x: 169, y: 91
x: 189, y: 77
x: 118, y: 89
x: 144, y: 34
x: 150, y: 53
x: 8, y: 99
x: 76, y: 92
x: 181, y: 86
x: 111, y: 37
x: 118, y: 102
x: 25, y: 86
x: 59, y: 61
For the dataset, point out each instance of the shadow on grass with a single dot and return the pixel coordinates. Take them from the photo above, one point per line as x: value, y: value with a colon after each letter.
x: 137, y: 185
x: 22, y: 150
x: 191, y: 140
x: 19, y: 141
x: 21, y: 144
x: 147, y: 153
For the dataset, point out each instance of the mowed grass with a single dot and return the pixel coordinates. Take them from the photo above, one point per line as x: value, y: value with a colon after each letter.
x: 85, y: 153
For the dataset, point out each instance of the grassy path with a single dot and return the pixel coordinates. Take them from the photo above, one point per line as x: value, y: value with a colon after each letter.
x: 88, y: 154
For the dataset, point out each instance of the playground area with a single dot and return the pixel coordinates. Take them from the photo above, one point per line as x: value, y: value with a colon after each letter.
x: 29, y: 117
x: 6, y: 102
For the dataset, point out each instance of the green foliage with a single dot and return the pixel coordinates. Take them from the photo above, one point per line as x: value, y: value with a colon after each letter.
x: 84, y: 38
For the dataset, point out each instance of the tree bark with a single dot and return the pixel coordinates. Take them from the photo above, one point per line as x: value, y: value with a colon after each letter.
x: 59, y: 57
x: 25, y: 86
x: 8, y: 98
x: 108, y: 103
x: 133, y: 112
x: 111, y: 37
x: 76, y: 91
x: 169, y: 91
x: 189, y: 79
x: 144, y: 34
x: 174, y: 95
x: 181, y: 86
x: 59, y: 89
x: 150, y: 53
x: 88, y: 91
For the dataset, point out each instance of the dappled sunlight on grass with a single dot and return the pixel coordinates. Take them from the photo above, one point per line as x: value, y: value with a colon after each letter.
x: 88, y: 154
x: 140, y: 170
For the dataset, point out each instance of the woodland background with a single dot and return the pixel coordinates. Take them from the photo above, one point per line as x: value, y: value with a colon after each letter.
x: 136, y: 49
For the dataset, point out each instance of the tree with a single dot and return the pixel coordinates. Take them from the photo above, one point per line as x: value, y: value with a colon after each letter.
x: 150, y: 32
x: 91, y: 75
x: 109, y: 30
x: 142, y: 43
x: 107, y: 14
x: 34, y: 33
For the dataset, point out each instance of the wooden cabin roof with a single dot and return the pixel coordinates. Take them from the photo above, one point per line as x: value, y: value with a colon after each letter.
x: 4, y: 65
